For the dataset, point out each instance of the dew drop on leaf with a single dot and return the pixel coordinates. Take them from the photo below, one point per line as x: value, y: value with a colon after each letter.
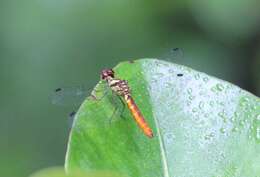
x: 191, y: 97
x: 236, y: 114
x: 159, y: 75
x: 213, y: 89
x: 258, y: 133
x: 209, y: 136
x: 211, y: 103
x: 188, y: 103
x: 206, y: 115
x: 242, y: 123
x: 168, y: 85
x: 219, y: 87
x: 205, y: 79
x: 194, y: 110
x: 171, y: 71
x: 234, y: 129
x: 189, y: 90
x: 244, y: 101
x: 197, y: 76
x: 258, y: 117
x: 201, y: 104
x: 222, y: 130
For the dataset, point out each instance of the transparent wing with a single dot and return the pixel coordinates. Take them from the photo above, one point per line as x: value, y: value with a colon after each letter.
x: 71, y: 117
x: 116, y: 113
x: 173, y: 55
x: 70, y: 96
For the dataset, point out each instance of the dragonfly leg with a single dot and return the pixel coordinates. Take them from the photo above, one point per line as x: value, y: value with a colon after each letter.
x: 113, y: 114
x: 116, y: 109
x: 123, y: 108
x: 96, y: 90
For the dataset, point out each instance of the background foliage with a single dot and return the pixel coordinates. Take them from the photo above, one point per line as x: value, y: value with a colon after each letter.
x: 46, y: 44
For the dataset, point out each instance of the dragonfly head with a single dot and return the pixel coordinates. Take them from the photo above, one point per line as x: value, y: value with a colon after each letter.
x: 107, y: 73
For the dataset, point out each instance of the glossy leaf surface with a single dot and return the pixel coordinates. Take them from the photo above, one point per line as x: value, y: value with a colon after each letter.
x: 203, y: 126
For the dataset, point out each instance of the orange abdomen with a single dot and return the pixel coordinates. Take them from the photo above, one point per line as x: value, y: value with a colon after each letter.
x: 139, y: 118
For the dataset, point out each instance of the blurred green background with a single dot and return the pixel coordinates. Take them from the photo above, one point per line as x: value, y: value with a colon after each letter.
x: 46, y: 44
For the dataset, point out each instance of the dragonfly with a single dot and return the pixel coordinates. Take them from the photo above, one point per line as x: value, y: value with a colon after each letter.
x: 121, y: 88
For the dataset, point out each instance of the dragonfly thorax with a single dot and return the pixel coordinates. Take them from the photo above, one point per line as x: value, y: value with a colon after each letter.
x: 119, y: 86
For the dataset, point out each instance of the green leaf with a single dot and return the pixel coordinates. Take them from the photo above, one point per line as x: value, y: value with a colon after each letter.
x: 203, y: 126
x: 59, y: 172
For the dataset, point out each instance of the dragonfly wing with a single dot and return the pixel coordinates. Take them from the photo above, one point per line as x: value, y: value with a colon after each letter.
x: 68, y: 96
x: 173, y: 55
x: 71, y: 119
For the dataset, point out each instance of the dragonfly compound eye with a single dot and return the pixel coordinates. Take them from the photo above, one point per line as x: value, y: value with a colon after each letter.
x: 107, y: 73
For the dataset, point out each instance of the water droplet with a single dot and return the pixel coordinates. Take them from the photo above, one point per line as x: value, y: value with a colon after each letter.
x: 251, y: 127
x: 194, y: 110
x: 258, y: 133
x: 205, y: 79
x: 219, y: 87
x: 211, y: 103
x: 191, y: 97
x: 236, y: 114
x: 209, y: 136
x: 242, y: 123
x: 201, y: 92
x: 171, y: 71
x: 157, y: 63
x: 234, y: 129
x: 222, y: 130
x: 221, y: 114
x: 222, y: 155
x: 197, y: 76
x: 201, y: 105
x: 168, y: 85
x: 244, y: 101
x: 189, y: 90
x: 213, y: 89
x: 258, y: 117
x: 165, y: 64
x: 232, y: 119
x: 153, y: 80
x: 221, y: 103
x: 170, y: 135
x: 188, y: 103
x: 159, y: 74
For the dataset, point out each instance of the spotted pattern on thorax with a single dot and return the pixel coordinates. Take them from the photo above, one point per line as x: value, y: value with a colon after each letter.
x: 119, y: 86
